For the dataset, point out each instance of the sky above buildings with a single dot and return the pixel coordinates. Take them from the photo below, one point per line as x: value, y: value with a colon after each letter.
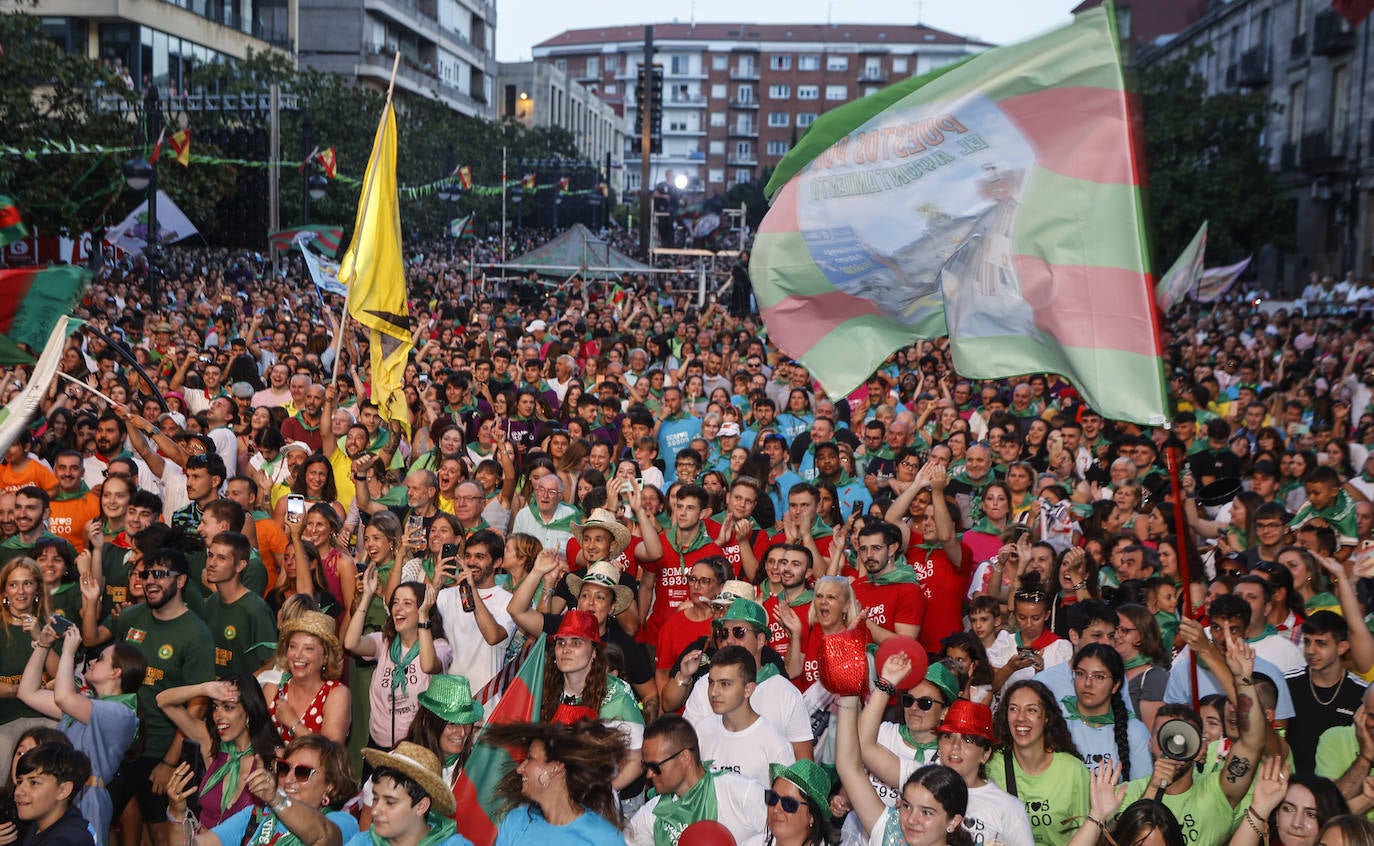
x: 521, y: 24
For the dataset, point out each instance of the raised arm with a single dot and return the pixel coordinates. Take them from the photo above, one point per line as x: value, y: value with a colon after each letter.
x: 862, y: 797
x: 521, y: 607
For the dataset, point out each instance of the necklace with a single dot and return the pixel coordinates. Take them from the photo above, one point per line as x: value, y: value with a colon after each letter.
x: 1313, y: 688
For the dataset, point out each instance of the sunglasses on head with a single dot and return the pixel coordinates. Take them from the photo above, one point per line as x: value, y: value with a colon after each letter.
x: 302, y: 772
x: 737, y: 632
x: 789, y: 805
x: 925, y: 703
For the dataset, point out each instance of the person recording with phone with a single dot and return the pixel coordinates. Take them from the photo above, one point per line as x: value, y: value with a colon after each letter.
x: 476, y: 622
x: 102, y: 726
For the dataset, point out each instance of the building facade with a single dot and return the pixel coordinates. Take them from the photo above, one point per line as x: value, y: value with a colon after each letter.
x: 162, y: 42
x: 1307, y: 60
x: 448, y: 47
x: 737, y: 96
x: 538, y: 94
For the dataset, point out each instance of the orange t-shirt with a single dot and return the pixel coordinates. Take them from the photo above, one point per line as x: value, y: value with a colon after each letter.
x: 34, y: 473
x: 272, y: 543
x: 68, y: 518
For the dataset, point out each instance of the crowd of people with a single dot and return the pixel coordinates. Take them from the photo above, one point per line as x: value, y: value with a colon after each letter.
x: 241, y: 607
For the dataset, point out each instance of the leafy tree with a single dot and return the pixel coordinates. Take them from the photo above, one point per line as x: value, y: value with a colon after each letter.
x: 1206, y: 162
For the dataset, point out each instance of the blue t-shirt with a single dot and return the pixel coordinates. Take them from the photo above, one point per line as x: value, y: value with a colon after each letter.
x: 232, y: 830
x: 364, y: 838
x: 527, y: 825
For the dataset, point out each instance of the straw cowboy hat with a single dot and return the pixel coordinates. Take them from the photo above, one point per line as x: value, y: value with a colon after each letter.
x: 421, y: 766
x: 607, y: 575
x: 600, y: 518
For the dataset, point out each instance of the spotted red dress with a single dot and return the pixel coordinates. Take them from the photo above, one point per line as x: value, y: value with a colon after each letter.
x: 313, y: 716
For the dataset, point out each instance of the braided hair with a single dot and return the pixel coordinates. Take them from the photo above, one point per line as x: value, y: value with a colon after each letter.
x: 1111, y: 659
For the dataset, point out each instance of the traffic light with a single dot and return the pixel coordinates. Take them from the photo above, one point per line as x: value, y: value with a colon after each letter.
x: 648, y: 91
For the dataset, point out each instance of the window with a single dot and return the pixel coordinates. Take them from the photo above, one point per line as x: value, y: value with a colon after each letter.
x: 778, y: 118
x: 779, y: 92
x: 1339, y: 109
x: 611, y: 87
x: 780, y: 63
x: 744, y: 94
x: 720, y: 92
x: 593, y: 66
x: 808, y: 92
x: 717, y: 148
x: 744, y: 149
x: 870, y: 90
x: 808, y: 63
x: 717, y: 118
x: 805, y: 119
x: 837, y: 63
x: 677, y: 126
x: 612, y: 62
x: 720, y: 62
x: 1295, y: 106
x: 716, y: 175
x: 873, y: 68
x: 743, y: 176
x: 679, y: 65
x: 561, y: 64
x: 777, y: 148
x: 836, y: 92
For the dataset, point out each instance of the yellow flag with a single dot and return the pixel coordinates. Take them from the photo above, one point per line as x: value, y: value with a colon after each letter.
x: 375, y: 274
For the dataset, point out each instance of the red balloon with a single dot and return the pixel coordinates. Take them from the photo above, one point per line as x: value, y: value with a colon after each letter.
x: 706, y: 833
x: 914, y: 650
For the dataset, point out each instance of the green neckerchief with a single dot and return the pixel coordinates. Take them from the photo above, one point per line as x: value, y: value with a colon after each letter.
x: 1269, y: 631
x: 62, y: 588
x: 1319, y: 601
x: 266, y: 832
x: 962, y: 477
x: 672, y: 814
x: 477, y: 448
x: 984, y: 525
x: 451, y: 761
x: 77, y: 494
x: 821, y: 529
x: 898, y: 575
x: 399, y: 662
x: 905, y: 732
x: 558, y: 524
x: 1071, y: 711
x: 802, y: 598
x: 299, y: 417
x: 440, y: 829
x: 700, y: 539
x: 128, y: 700
x: 1140, y: 660
x: 229, y: 774
x: 766, y: 672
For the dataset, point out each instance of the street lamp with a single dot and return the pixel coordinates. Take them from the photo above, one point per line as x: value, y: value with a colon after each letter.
x: 318, y: 186
x: 141, y: 175
x: 138, y: 174
x: 516, y: 195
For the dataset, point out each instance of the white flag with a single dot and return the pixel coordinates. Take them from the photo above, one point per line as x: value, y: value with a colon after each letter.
x: 131, y: 235
x: 324, y: 271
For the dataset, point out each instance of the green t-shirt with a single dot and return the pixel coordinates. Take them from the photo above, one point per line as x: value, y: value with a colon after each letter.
x: 245, y: 633
x: 1204, y: 812
x: 1051, y: 798
x: 179, y: 652
x: 16, y: 645
x: 66, y: 601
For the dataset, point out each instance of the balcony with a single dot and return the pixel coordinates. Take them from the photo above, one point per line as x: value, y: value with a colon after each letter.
x: 744, y: 130
x: 1331, y: 35
x: 685, y: 132
x: 1253, y: 70
x: 690, y: 101
x: 743, y: 159
x: 744, y: 104
x: 744, y: 74
x: 1297, y: 48
x: 1320, y: 153
x: 873, y: 76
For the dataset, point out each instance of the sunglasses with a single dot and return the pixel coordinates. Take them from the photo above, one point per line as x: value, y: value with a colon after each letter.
x: 656, y: 767
x: 302, y: 772
x: 789, y: 805
x: 925, y: 703
x: 158, y: 575
x: 737, y: 632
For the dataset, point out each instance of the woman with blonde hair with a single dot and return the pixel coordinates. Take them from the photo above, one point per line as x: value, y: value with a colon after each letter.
x: 23, y: 610
x: 310, y: 699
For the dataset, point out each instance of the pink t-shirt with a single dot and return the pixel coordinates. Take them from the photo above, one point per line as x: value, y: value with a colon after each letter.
x: 393, y: 709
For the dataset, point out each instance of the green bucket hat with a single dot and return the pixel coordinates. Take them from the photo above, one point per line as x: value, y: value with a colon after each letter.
x: 748, y: 611
x: 809, y: 777
x: 940, y: 676
x: 450, y: 699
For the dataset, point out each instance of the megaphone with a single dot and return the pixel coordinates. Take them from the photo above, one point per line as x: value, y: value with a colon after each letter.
x: 1179, y: 740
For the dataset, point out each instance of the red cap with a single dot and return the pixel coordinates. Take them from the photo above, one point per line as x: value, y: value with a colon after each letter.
x: 965, y: 717
x: 579, y: 624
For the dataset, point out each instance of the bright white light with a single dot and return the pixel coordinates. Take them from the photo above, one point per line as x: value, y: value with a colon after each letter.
x: 680, y: 181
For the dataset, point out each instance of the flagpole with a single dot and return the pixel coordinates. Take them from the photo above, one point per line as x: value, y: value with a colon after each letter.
x: 82, y: 384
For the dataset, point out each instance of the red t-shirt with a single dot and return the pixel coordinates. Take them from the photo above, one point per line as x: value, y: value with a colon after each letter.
x: 670, y: 586
x: 676, y: 635
x: 822, y: 545
x: 777, y: 633
x: 888, y: 605
x: 759, y: 544
x: 627, y: 561
x: 944, y: 588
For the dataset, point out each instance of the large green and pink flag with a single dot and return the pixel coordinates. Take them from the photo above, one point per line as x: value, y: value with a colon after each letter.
x: 996, y: 201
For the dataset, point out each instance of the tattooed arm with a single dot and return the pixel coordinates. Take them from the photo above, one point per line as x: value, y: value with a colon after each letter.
x: 1239, y: 770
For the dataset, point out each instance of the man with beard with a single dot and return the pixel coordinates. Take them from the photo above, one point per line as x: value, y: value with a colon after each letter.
x: 180, y: 650
x: 890, y: 593
x: 204, y: 475
x: 73, y: 504
x: 793, y: 568
x: 30, y: 522
x: 304, y: 426
x: 8, y: 506
x: 110, y: 433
